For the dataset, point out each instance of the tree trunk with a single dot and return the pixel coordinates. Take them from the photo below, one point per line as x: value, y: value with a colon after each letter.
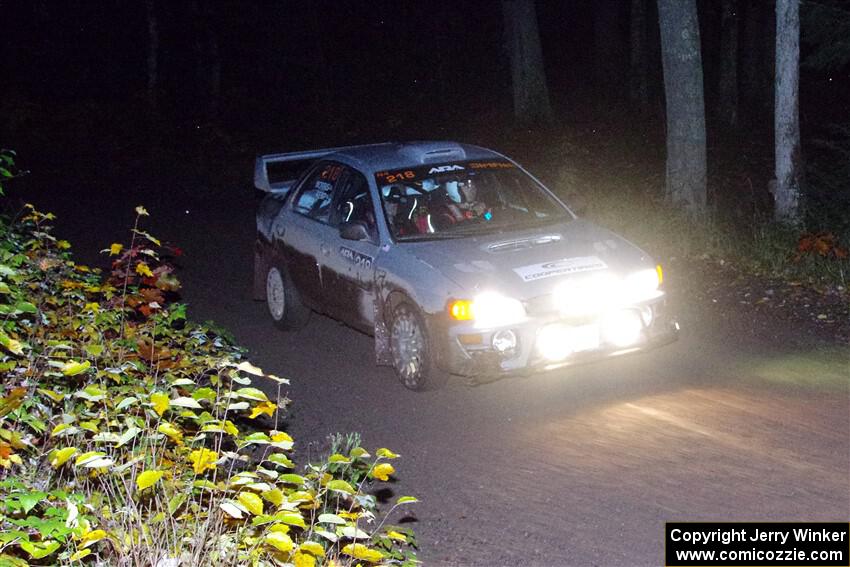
x: 787, y: 116
x: 531, y: 96
x: 683, y: 88
x: 153, y: 55
x: 727, y: 106
x: 638, y: 80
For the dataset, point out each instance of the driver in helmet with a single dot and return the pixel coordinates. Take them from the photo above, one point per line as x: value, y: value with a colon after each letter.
x: 463, y: 203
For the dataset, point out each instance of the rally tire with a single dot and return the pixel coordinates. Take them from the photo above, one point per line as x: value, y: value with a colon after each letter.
x: 287, y: 311
x: 411, y: 350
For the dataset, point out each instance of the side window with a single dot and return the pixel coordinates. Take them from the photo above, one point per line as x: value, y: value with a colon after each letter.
x: 314, y: 198
x: 355, y: 203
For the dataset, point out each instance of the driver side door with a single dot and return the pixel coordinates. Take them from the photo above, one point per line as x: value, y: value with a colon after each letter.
x: 348, y: 271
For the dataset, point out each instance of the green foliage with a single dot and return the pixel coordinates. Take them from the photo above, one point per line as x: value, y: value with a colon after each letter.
x: 760, y: 246
x: 7, y: 166
x: 828, y: 180
x: 131, y: 435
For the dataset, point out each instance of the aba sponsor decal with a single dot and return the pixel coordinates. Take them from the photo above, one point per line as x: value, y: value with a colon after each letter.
x: 560, y: 268
x: 356, y: 258
x: 445, y: 169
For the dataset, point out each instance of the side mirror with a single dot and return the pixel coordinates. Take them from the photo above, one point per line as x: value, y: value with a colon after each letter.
x: 355, y: 230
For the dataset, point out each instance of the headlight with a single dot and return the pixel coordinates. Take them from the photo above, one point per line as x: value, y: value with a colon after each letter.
x: 488, y: 310
x: 642, y: 285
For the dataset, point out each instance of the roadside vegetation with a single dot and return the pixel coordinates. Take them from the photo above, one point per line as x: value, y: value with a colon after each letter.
x: 130, y: 435
x: 811, y: 256
x: 620, y: 187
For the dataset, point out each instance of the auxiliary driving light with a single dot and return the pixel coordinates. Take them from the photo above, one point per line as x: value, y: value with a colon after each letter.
x: 553, y: 342
x: 622, y: 328
x: 504, y: 341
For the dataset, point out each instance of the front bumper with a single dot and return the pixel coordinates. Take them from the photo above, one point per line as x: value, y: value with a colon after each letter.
x: 464, y: 354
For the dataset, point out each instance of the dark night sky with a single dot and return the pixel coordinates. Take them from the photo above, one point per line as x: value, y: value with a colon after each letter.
x: 289, y: 67
x: 378, y: 57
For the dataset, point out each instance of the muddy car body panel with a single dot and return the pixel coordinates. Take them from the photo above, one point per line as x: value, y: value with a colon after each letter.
x: 502, y: 275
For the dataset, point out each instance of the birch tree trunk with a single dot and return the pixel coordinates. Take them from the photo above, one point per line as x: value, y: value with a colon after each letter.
x: 683, y: 88
x: 153, y: 55
x: 787, y: 117
x: 727, y: 107
x: 528, y: 78
x: 638, y: 80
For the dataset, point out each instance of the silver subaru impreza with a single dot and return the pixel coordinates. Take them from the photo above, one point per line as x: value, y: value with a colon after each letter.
x: 456, y: 259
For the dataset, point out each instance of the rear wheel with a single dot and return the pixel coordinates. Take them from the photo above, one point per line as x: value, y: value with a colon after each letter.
x: 412, y: 355
x: 284, y: 303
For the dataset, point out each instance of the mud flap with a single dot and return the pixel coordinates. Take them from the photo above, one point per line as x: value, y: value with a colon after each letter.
x: 383, y: 355
x: 383, y: 352
x: 259, y: 272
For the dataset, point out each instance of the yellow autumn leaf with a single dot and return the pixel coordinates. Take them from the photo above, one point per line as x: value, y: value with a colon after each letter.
x: 61, y: 456
x: 160, y: 402
x: 63, y: 245
x: 385, y: 453
x: 275, y: 496
x: 203, y: 459
x: 280, y: 541
x: 313, y: 548
x: 230, y: 429
x: 303, y: 560
x: 80, y: 554
x: 263, y: 407
x: 171, y: 431
x: 144, y: 270
x: 360, y: 551
x: 15, y: 346
x: 382, y: 471
x: 392, y: 534
x: 55, y: 396
x: 89, y: 457
x: 148, y: 479
x: 92, y: 537
x: 279, y: 436
x: 115, y: 249
x: 93, y: 307
x: 60, y: 428
x: 252, y: 502
x: 72, y: 367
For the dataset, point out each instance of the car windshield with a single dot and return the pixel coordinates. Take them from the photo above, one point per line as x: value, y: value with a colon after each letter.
x: 463, y: 198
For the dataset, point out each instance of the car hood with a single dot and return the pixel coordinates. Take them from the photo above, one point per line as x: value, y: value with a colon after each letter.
x: 528, y: 263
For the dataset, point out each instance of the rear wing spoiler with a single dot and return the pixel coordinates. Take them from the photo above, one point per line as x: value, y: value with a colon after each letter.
x: 261, y: 167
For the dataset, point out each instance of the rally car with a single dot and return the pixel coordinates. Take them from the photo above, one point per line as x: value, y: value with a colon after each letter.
x: 455, y: 258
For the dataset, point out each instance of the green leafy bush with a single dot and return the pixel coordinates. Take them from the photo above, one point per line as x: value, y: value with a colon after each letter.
x: 130, y: 435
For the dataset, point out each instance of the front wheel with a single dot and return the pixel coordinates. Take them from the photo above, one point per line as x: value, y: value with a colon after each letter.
x: 283, y: 301
x: 412, y: 356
